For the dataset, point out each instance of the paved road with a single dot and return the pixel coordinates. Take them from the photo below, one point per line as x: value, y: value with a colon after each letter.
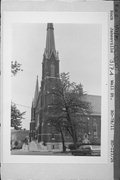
x: 96, y: 152
x: 19, y: 152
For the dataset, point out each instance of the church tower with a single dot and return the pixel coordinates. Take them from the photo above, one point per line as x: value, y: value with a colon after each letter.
x: 33, y: 112
x: 50, y: 73
x: 43, y: 97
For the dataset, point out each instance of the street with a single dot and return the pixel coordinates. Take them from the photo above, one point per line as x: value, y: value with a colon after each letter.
x: 19, y: 152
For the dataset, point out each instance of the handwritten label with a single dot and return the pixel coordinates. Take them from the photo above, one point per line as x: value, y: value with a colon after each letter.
x: 112, y: 119
x: 111, y: 85
x: 111, y: 40
x: 112, y: 151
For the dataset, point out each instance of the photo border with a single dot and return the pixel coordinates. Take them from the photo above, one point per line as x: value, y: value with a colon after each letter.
x: 55, y: 17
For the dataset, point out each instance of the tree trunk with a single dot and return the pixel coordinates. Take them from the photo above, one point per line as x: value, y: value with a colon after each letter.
x: 74, y: 137
x: 63, y: 141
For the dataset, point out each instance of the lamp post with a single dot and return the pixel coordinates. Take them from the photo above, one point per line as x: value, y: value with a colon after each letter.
x: 53, y: 140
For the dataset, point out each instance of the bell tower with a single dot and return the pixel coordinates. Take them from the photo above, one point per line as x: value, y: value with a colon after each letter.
x: 50, y: 73
x: 50, y: 65
x: 40, y: 129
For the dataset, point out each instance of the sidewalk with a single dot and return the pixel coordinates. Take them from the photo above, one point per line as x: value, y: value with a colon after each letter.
x: 55, y: 153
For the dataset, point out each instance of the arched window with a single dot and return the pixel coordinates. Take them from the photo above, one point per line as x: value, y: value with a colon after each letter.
x: 52, y: 70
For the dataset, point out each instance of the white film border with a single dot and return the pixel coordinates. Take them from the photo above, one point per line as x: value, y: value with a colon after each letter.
x: 108, y: 147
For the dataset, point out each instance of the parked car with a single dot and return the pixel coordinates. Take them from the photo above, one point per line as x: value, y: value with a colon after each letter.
x: 83, y: 150
x: 96, y: 150
x: 87, y: 150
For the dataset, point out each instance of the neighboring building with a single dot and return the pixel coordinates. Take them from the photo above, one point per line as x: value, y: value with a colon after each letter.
x: 39, y: 127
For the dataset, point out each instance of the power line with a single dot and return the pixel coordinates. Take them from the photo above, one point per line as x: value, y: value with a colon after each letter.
x: 23, y: 105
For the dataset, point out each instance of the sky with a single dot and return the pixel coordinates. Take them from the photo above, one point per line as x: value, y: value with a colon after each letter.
x: 80, y: 54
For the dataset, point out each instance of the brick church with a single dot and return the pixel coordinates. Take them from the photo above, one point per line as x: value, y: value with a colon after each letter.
x: 40, y: 129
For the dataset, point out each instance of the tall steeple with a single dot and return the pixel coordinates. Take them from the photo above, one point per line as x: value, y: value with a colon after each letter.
x: 36, y: 93
x: 44, y: 98
x: 32, y: 112
x: 50, y: 42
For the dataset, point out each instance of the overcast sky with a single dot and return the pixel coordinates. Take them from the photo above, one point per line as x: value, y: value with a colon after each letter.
x: 79, y: 47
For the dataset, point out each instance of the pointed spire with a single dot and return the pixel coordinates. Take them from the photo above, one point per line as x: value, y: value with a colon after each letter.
x: 50, y: 42
x: 36, y: 93
x: 50, y: 26
x: 32, y: 114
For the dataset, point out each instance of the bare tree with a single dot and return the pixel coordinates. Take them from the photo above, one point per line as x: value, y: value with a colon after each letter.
x: 68, y: 106
x: 16, y: 115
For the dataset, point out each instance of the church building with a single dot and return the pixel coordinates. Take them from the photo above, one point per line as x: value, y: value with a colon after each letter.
x: 42, y: 97
x: 40, y: 129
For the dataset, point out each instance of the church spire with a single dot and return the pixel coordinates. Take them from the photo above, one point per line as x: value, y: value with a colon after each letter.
x: 32, y: 112
x: 50, y: 42
x: 36, y: 93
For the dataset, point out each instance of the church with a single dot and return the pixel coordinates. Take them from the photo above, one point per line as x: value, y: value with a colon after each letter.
x: 40, y: 129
